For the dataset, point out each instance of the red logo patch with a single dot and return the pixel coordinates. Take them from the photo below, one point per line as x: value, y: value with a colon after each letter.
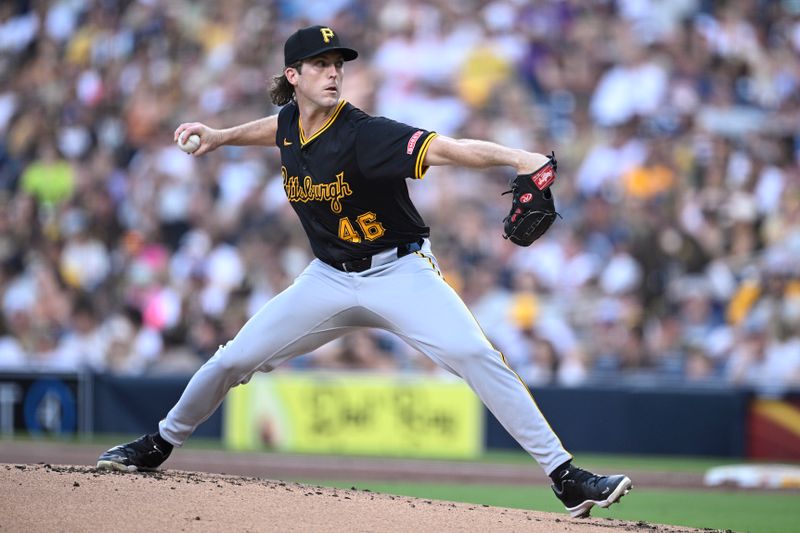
x: 544, y: 177
x: 525, y: 198
x: 412, y: 142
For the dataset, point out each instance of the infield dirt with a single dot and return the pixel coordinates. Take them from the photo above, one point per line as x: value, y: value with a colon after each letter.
x: 45, y: 498
x: 49, y: 487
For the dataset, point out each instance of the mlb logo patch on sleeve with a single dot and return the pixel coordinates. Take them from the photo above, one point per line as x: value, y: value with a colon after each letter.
x: 412, y: 142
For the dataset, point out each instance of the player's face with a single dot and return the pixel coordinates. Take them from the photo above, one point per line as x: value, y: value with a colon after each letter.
x: 320, y: 79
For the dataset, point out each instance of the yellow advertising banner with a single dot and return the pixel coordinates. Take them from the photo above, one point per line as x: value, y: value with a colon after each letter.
x: 364, y: 414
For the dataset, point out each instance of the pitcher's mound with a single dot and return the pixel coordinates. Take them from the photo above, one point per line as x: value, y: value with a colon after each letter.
x: 69, y: 498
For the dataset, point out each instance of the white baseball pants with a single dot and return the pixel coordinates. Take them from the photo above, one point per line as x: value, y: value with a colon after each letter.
x: 406, y: 296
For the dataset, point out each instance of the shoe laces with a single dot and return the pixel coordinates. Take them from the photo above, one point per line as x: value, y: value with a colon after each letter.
x: 579, y: 475
x: 145, y: 444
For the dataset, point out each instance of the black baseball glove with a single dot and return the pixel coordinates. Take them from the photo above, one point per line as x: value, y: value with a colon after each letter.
x: 532, y: 208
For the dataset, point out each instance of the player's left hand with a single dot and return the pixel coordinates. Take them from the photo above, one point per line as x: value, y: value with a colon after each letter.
x: 532, y: 205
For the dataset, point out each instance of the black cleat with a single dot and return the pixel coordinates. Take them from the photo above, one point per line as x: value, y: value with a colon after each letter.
x: 143, y: 454
x: 580, y: 490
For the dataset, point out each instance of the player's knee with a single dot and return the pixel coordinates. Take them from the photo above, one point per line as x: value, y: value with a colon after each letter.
x: 231, y: 361
x: 240, y: 363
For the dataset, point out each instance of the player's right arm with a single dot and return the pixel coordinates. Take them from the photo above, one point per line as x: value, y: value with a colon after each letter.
x: 259, y: 132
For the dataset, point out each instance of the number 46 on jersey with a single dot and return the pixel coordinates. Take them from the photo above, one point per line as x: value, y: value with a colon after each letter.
x: 366, y: 226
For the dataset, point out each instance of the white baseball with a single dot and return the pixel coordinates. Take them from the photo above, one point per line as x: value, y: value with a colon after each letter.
x: 191, y: 144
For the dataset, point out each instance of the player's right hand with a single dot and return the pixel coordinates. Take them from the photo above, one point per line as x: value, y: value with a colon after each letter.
x: 210, y: 139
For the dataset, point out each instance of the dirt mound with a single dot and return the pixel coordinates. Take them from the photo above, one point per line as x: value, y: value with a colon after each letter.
x: 78, y: 498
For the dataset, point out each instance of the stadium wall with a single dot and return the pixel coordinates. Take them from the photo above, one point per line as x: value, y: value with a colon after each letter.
x: 656, y: 420
x: 652, y: 420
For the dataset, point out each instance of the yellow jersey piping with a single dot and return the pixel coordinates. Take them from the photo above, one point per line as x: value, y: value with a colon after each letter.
x: 502, y: 356
x: 524, y: 385
x: 331, y: 119
x: 431, y: 262
x: 419, y: 168
x: 527, y: 389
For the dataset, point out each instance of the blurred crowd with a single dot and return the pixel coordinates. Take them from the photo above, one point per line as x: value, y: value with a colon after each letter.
x: 676, y: 125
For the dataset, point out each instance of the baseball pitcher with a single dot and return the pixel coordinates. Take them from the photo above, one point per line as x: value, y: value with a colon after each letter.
x: 344, y: 173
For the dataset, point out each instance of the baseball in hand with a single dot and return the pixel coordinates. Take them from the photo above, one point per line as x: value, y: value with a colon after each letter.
x: 190, y: 145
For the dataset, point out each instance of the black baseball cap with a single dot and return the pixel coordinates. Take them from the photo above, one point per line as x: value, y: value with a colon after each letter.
x: 313, y: 41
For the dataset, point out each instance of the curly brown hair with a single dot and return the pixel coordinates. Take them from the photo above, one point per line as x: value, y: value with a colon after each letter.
x: 281, y: 92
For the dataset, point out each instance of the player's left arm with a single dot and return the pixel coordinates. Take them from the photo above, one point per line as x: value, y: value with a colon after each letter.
x: 474, y: 153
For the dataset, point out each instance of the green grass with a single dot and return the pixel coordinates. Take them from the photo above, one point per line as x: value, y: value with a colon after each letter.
x: 600, y: 462
x: 107, y: 440
x: 756, y: 512
x: 697, y: 465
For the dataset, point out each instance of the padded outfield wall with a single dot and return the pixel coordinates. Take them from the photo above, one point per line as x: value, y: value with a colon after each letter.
x: 717, y: 422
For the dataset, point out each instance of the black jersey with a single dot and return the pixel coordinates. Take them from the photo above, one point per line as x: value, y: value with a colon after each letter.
x: 347, y: 181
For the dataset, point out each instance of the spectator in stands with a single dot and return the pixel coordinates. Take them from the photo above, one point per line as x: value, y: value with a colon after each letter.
x: 12, y: 356
x: 675, y: 126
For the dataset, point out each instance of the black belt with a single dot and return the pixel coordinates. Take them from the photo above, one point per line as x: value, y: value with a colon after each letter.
x: 365, y: 263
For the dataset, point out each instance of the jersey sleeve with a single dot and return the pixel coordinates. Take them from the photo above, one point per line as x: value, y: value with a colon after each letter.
x: 386, y: 149
x: 286, y: 114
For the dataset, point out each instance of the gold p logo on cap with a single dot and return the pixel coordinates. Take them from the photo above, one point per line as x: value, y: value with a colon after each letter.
x: 327, y: 33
